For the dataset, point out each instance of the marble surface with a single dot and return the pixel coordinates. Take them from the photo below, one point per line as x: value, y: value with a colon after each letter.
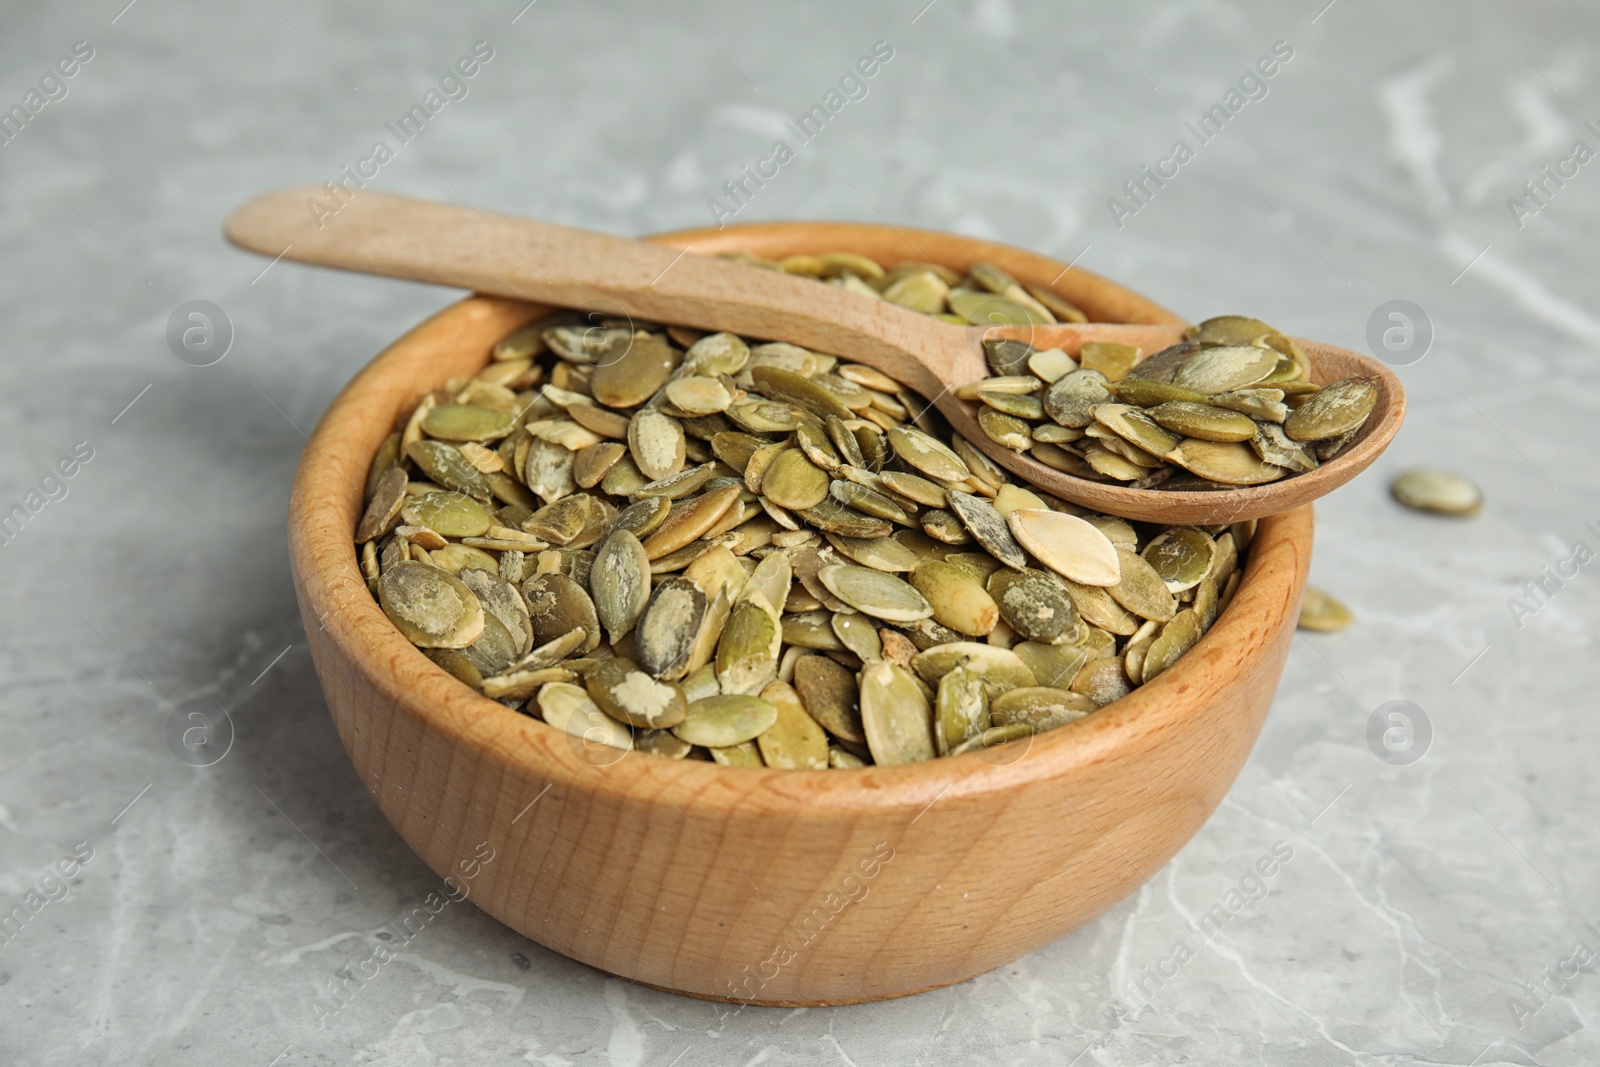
x: 1425, y: 911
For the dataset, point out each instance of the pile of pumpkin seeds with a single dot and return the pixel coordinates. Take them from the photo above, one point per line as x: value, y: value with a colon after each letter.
x: 1228, y: 406
x: 985, y: 296
x: 699, y: 546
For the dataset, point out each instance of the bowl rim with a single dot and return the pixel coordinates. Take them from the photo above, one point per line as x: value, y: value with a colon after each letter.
x: 326, y: 502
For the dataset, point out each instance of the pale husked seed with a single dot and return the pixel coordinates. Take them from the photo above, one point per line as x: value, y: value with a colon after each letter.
x: 697, y: 547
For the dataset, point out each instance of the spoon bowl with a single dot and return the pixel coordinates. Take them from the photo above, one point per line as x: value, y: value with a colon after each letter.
x: 501, y: 255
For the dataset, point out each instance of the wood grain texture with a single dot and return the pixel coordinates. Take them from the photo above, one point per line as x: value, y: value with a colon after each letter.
x: 794, y: 887
x: 396, y: 236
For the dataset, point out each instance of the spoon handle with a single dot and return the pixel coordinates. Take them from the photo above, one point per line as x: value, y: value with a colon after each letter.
x: 502, y: 255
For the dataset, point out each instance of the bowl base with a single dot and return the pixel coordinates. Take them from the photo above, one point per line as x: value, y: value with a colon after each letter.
x: 826, y: 1002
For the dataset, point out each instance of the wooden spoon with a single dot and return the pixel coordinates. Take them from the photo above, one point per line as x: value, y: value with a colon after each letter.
x: 501, y: 255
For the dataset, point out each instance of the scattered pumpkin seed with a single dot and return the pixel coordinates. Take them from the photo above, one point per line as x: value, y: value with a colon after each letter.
x: 1441, y: 492
x: 1321, y: 613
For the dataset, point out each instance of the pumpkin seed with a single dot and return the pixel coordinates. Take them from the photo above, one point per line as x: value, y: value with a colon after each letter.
x: 1141, y: 589
x: 1226, y: 463
x: 747, y: 655
x: 1221, y: 370
x: 667, y: 627
x: 1039, y: 707
x: 629, y: 695
x: 568, y: 708
x: 793, y: 481
x: 1181, y: 555
x: 794, y: 741
x: 725, y: 720
x: 829, y: 694
x: 1321, y: 613
x: 432, y: 608
x: 896, y: 715
x: 656, y: 443
x: 1176, y: 638
x: 449, y: 514
x: 1000, y: 666
x: 1110, y: 359
x: 1203, y: 421
x: 1071, y: 398
x: 927, y: 455
x: 1067, y: 545
x: 988, y: 528
x: 467, y: 422
x: 383, y: 510
x: 1035, y: 606
x: 1441, y: 492
x: 628, y: 375
x: 1338, y: 409
x: 619, y: 583
x: 957, y: 597
x: 557, y: 604
x: 961, y: 709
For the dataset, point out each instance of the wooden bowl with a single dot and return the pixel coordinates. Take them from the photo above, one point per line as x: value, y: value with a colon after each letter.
x: 774, y: 887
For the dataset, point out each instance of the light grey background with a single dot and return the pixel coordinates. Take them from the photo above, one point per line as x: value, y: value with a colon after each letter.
x: 1419, y: 900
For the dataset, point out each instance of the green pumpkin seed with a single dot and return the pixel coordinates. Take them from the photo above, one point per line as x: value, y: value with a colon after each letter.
x: 383, y: 510
x: 433, y: 609
x: 557, y: 604
x: 1103, y: 681
x: 619, y: 583
x: 794, y: 741
x: 446, y: 465
x: 1000, y: 666
x: 875, y: 593
x: 1110, y: 359
x: 630, y: 374
x: 726, y: 720
x: 1036, y: 606
x: 987, y: 527
x: 1203, y: 421
x: 1441, y: 492
x: 1005, y: 430
x: 666, y: 630
x: 927, y: 455
x: 829, y: 694
x: 957, y: 597
x: 1339, y: 409
x: 1142, y: 590
x: 961, y: 709
x: 1221, y: 370
x: 896, y: 715
x: 793, y: 481
x: 1070, y: 400
x: 1176, y: 638
x: 1321, y: 613
x: 629, y: 695
x: 1181, y: 555
x: 1040, y: 708
x: 747, y: 655
x: 450, y: 514
x: 859, y: 634
x: 467, y: 422
x: 1052, y: 665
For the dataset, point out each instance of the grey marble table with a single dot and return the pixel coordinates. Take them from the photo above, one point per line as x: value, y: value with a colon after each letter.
x: 1442, y: 910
